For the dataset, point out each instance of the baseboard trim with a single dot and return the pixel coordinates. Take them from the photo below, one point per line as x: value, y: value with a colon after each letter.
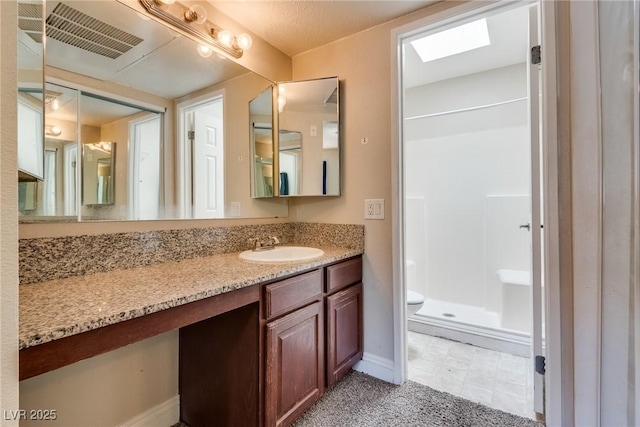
x: 376, y: 366
x: 165, y: 414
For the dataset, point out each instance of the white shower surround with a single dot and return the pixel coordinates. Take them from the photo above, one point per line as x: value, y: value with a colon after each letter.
x: 467, y: 186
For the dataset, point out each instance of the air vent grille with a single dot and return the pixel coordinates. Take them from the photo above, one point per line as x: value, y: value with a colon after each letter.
x: 70, y: 26
x: 333, y: 98
x: 30, y: 20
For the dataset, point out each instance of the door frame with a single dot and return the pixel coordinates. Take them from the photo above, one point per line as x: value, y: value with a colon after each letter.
x: 549, y: 139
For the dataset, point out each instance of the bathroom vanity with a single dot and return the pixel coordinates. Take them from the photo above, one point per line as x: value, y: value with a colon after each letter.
x: 259, y: 343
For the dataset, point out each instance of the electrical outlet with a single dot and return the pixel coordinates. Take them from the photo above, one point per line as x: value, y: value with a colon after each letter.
x: 373, y: 208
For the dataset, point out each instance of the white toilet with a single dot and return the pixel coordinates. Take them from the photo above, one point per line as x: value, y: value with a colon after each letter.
x: 415, y: 300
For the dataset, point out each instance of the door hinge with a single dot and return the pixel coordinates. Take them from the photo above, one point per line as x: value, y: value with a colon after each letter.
x: 536, y: 55
x: 191, y: 135
x: 541, y: 365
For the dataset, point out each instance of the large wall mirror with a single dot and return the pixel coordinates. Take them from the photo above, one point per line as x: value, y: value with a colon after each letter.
x: 140, y: 123
x: 308, y: 140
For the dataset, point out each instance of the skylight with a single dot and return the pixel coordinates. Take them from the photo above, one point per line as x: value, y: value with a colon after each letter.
x: 453, y: 41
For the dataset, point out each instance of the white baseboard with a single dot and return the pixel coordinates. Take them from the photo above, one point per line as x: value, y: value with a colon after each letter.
x: 165, y: 414
x: 376, y: 366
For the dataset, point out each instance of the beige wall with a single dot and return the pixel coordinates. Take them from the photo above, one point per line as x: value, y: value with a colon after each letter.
x: 363, y: 64
x: 8, y: 212
x: 107, y: 390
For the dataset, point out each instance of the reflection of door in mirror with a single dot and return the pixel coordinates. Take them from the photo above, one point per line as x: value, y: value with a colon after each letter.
x: 261, y: 144
x: 70, y: 178
x: 202, y: 128
x: 291, y: 158
x: 98, y: 166
x: 144, y: 167
x: 262, y: 153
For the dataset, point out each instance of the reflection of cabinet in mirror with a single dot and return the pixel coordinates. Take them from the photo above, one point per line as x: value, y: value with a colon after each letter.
x: 30, y: 138
x: 31, y: 153
x: 309, y: 138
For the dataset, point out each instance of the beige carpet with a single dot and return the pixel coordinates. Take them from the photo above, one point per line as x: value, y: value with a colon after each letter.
x: 361, y: 400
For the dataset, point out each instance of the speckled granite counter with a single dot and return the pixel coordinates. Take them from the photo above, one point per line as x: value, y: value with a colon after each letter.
x: 63, y: 307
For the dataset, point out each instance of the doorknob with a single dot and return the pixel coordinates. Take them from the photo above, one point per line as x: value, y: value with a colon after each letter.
x: 527, y: 226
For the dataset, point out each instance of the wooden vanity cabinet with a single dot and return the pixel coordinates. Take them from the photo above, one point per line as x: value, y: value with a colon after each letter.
x: 294, y: 347
x: 265, y: 363
x: 344, y: 318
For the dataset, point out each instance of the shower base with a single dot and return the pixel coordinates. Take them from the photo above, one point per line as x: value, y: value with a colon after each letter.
x: 468, y: 324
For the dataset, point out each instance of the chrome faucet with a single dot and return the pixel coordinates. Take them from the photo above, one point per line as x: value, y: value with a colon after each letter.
x: 264, y: 243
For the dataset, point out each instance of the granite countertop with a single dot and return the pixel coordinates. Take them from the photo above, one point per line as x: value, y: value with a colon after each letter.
x: 59, y: 308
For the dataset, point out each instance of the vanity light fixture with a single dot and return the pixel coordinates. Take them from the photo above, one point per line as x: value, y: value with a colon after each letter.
x: 192, y: 20
x: 52, y: 130
x: 102, y: 146
x: 282, y: 99
x: 204, y: 51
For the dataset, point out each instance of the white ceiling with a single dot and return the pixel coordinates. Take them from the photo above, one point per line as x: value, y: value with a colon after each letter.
x: 296, y: 26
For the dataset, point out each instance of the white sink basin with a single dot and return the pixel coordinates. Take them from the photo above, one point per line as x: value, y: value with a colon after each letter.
x: 282, y: 254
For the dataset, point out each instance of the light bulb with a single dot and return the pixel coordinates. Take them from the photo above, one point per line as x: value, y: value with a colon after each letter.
x: 281, y: 90
x: 204, y: 51
x: 196, y: 13
x: 55, y: 131
x: 244, y: 41
x: 55, y: 105
x: 225, y: 37
x: 282, y: 101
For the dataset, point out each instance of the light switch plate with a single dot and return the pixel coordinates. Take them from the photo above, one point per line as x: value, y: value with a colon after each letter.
x: 373, y: 208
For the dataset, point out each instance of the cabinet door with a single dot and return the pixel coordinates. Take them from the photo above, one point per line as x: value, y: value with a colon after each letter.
x: 344, y: 332
x: 294, y: 364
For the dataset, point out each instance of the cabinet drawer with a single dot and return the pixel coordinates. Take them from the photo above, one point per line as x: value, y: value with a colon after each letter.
x: 344, y: 274
x: 286, y: 295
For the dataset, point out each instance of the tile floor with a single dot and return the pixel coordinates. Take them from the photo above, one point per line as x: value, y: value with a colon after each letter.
x: 495, y: 379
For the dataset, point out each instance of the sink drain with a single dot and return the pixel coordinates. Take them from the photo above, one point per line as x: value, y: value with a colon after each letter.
x: 448, y: 315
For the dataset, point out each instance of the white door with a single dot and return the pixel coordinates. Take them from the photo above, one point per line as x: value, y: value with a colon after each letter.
x: 145, y: 169
x: 70, y: 178
x: 208, y: 165
x: 537, y: 350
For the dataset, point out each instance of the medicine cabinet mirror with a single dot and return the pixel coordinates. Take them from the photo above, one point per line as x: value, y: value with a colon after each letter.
x: 309, y: 138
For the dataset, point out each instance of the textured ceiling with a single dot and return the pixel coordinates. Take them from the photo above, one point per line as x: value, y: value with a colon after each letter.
x: 296, y: 26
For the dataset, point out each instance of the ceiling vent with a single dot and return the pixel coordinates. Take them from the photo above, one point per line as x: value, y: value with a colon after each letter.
x: 70, y: 26
x: 30, y: 20
x: 333, y: 98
